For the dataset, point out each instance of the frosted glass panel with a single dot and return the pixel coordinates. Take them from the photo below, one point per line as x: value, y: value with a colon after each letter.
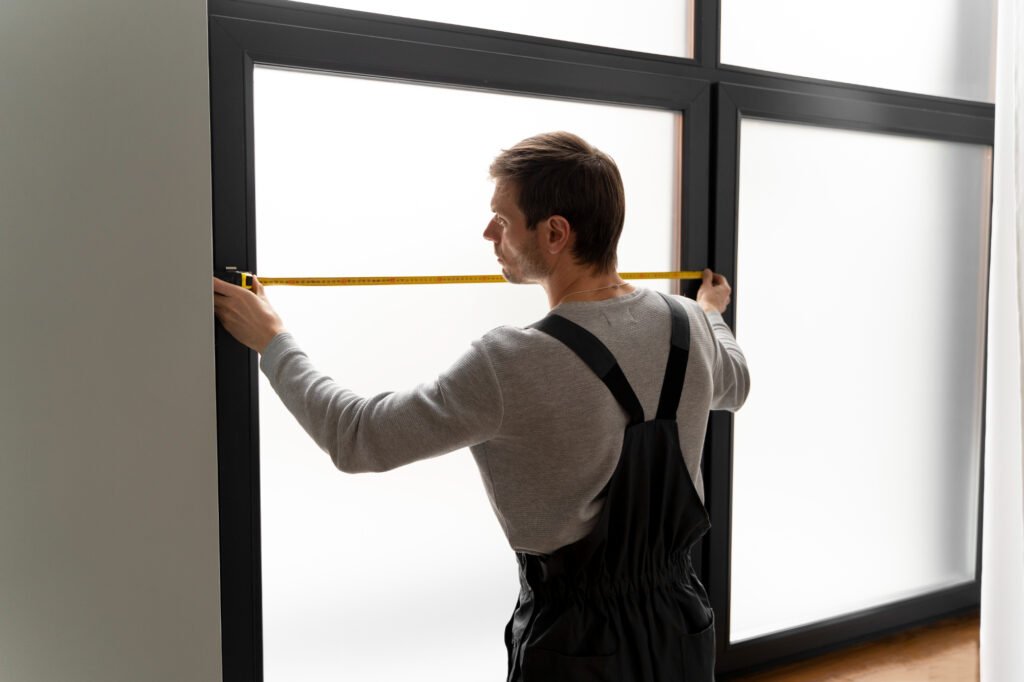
x: 933, y: 47
x: 404, y: 575
x: 861, y: 284
x: 657, y: 26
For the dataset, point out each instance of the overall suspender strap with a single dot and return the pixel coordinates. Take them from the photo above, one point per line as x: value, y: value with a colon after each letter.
x: 598, y: 358
x: 678, y: 356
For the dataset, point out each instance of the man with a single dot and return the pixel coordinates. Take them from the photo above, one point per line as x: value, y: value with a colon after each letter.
x: 587, y: 427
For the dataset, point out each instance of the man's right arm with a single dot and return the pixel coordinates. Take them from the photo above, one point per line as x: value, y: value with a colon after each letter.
x: 462, y: 407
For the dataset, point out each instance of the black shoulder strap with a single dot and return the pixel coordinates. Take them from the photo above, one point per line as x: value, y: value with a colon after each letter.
x: 678, y: 356
x: 598, y: 358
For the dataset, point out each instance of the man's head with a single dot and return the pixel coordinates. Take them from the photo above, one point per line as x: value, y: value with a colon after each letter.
x: 559, y: 175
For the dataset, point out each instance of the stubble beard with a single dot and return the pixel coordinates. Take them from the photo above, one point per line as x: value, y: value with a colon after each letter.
x: 529, y: 267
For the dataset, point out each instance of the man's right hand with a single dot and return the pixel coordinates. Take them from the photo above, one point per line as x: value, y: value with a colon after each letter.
x: 714, y: 292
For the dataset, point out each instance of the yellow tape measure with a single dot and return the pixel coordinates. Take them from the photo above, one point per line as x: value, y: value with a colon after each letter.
x: 245, y: 279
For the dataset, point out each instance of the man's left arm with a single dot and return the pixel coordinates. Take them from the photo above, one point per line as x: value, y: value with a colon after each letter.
x: 729, y: 365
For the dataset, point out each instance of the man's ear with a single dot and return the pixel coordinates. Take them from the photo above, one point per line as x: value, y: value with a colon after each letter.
x: 558, y: 234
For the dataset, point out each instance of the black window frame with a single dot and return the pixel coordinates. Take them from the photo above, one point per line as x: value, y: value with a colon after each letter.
x: 711, y: 98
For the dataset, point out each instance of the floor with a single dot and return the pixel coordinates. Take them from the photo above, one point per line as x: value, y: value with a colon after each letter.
x: 946, y: 651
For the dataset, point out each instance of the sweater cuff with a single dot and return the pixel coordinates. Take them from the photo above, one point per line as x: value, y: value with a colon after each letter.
x: 275, y: 352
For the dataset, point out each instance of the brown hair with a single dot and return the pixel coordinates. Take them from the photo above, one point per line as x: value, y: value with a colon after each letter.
x: 561, y: 174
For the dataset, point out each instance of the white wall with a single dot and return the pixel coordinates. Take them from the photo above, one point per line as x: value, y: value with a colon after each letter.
x: 108, y: 477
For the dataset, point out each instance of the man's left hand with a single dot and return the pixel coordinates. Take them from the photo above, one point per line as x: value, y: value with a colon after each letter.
x: 247, y: 315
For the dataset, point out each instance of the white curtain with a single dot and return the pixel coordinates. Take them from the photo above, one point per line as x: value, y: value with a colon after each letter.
x: 1002, y: 579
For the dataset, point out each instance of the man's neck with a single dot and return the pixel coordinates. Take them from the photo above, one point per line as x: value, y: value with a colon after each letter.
x: 579, y: 284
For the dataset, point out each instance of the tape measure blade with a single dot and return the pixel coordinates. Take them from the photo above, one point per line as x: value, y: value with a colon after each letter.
x: 437, y: 279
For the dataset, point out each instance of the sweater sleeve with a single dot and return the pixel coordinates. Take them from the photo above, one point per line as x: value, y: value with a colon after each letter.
x: 462, y: 407
x: 731, y: 377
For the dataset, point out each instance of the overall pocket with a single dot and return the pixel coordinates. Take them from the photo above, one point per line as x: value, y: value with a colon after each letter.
x: 699, y: 654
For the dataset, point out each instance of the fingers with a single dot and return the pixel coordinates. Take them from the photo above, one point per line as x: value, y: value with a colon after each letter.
x: 712, y: 278
x: 224, y: 298
x: 715, y: 292
x: 229, y: 289
x: 222, y: 287
x: 222, y: 304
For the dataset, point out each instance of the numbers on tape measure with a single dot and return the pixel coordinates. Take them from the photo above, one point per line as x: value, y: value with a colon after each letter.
x: 245, y: 279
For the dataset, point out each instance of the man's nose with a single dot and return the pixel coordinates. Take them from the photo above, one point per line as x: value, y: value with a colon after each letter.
x: 490, y: 233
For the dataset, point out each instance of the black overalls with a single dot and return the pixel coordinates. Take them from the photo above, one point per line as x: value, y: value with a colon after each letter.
x: 622, y: 604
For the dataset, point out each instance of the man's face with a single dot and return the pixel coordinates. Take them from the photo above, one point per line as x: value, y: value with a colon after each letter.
x: 516, y: 247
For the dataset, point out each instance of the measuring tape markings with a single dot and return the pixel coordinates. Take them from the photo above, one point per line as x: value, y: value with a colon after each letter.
x: 245, y: 279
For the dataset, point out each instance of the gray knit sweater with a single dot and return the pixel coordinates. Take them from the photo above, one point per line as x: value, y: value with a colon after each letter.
x: 545, y: 432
